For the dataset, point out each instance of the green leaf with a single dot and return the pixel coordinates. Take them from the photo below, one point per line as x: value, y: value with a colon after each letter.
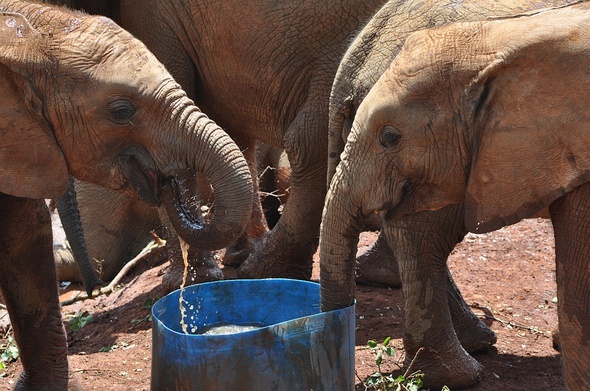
x: 390, y: 351
x: 372, y: 344
x: 386, y: 341
x: 80, y: 320
x: 149, y: 303
x: 379, y: 358
x: 374, y: 379
x: 10, y: 354
x: 107, y: 349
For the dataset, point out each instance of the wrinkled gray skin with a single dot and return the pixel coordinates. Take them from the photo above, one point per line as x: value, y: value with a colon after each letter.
x: 263, y: 70
x: 82, y: 97
x: 368, y: 57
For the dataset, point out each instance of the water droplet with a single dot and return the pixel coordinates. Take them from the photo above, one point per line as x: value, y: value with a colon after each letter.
x: 10, y: 23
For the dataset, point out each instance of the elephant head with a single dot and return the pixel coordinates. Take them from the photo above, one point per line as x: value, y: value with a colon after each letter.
x: 492, y: 115
x: 91, y: 100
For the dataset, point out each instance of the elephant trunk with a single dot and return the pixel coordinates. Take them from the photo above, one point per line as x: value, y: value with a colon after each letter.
x: 338, y: 108
x: 206, y: 148
x: 341, y: 224
x: 67, y: 209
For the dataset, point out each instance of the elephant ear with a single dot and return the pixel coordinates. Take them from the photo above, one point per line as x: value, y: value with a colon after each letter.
x: 531, y: 131
x: 32, y: 164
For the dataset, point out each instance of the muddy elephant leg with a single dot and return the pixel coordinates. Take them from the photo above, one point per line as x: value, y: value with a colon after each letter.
x: 29, y: 288
x: 570, y: 215
x: 378, y: 266
x: 425, y: 284
x: 473, y: 334
x: 287, y: 249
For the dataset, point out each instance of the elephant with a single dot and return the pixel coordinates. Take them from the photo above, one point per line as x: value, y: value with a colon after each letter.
x: 83, y: 97
x: 470, y: 116
x: 264, y: 73
x: 367, y: 58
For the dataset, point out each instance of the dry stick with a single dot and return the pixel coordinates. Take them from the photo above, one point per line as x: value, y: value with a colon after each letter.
x: 155, y: 245
x: 511, y: 323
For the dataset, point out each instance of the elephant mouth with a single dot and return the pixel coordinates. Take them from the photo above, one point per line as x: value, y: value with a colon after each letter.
x: 398, y: 206
x: 141, y: 179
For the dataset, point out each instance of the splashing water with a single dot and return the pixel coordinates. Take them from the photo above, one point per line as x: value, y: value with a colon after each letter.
x: 184, y: 246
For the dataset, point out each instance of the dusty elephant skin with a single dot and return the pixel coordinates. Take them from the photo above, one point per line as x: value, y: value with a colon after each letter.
x: 81, y: 96
x: 263, y: 72
x: 471, y: 114
x: 368, y: 57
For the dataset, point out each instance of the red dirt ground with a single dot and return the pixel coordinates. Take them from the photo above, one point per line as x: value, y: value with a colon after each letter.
x: 507, y: 276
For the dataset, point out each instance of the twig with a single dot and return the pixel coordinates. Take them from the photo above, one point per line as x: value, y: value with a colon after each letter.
x: 361, y: 380
x: 412, y: 362
x: 511, y: 323
x: 155, y: 245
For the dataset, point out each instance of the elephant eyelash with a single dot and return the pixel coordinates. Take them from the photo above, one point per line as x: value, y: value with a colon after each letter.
x: 121, y: 111
x: 390, y: 137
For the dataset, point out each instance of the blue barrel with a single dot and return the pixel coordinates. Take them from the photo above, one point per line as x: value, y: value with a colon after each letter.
x: 298, y: 347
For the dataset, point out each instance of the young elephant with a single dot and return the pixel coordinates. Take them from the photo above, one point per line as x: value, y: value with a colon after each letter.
x: 267, y: 78
x: 81, y: 96
x: 367, y: 58
x: 489, y: 115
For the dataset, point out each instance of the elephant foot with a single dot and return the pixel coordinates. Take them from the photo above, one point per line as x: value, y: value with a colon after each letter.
x: 556, y: 340
x: 452, y: 367
x: 378, y: 266
x: 237, y: 253
x: 48, y: 382
x: 473, y: 334
x: 476, y: 337
x: 274, y: 258
x: 202, y: 268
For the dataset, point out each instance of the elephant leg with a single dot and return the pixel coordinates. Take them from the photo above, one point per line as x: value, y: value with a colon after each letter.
x: 429, y: 336
x: 274, y: 173
x: 287, y: 250
x: 378, y: 266
x: 473, y: 334
x: 29, y: 288
x: 570, y: 215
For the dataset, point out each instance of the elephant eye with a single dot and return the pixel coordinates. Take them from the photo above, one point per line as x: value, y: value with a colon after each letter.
x: 121, y: 111
x: 390, y: 137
